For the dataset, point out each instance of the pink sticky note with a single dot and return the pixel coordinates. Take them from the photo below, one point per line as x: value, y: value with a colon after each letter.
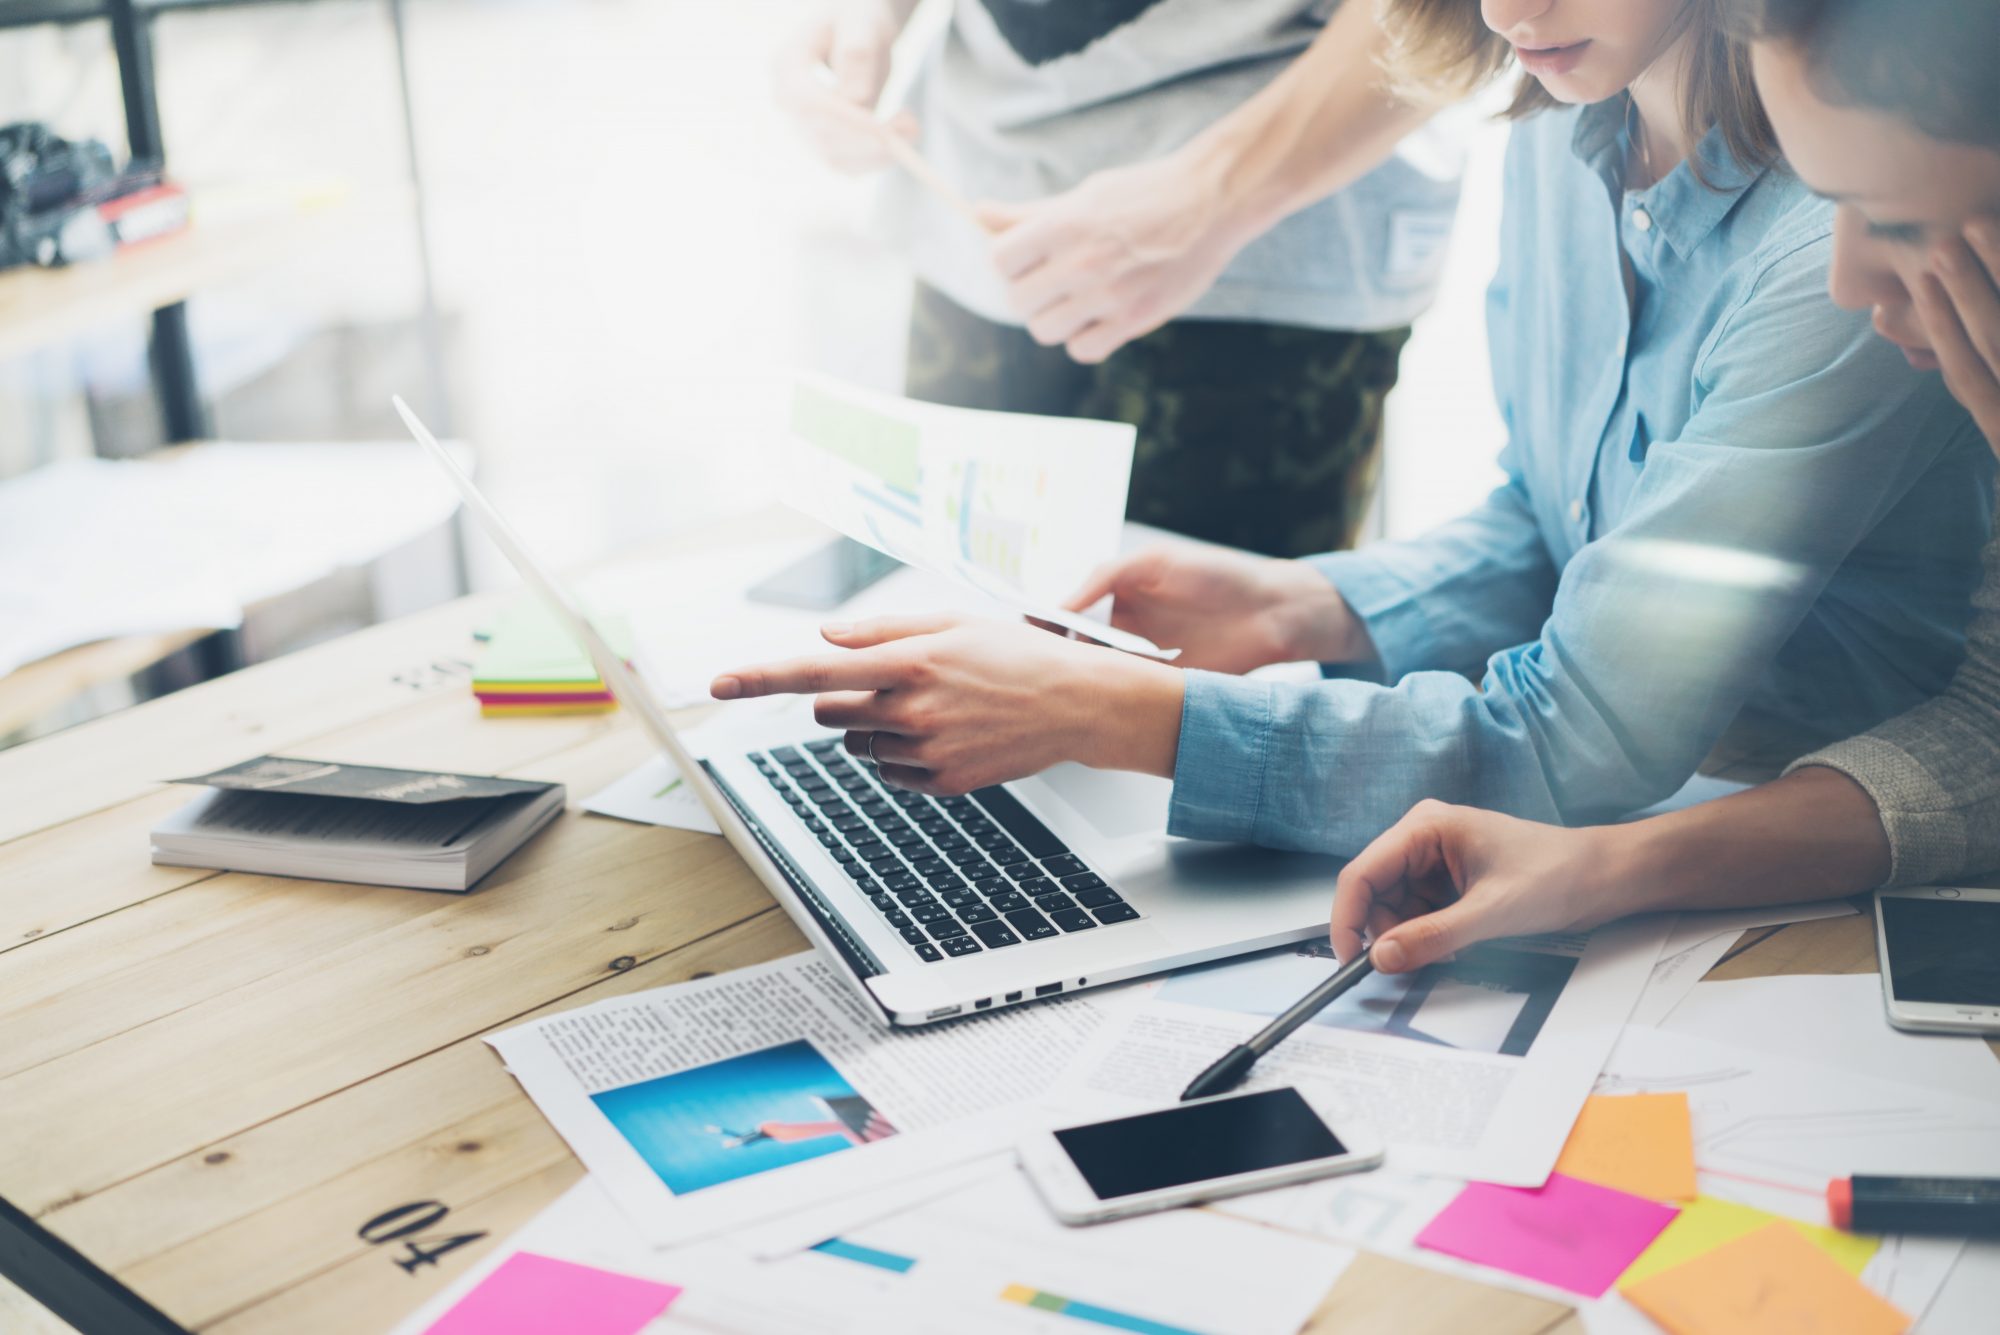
x: 533, y: 1295
x: 1572, y: 1234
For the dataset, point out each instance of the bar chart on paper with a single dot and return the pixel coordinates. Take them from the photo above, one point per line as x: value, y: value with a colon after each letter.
x: 1014, y: 504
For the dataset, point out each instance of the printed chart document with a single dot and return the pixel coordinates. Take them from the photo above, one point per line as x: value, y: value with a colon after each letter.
x: 985, y: 1257
x: 1472, y: 1068
x: 1018, y: 507
x: 730, y: 1100
x: 653, y: 794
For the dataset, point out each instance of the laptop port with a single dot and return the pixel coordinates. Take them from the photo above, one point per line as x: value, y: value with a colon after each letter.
x: 982, y: 1003
x: 1013, y: 996
x: 1048, y: 989
x: 943, y: 1011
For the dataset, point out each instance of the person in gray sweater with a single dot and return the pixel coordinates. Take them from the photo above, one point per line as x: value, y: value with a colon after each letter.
x: 1892, y: 111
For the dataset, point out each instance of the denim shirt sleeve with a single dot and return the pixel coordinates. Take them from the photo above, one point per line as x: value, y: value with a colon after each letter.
x: 1806, y: 431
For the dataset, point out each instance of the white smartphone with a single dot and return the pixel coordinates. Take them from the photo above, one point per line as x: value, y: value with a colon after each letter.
x: 1939, y: 946
x: 1196, y: 1151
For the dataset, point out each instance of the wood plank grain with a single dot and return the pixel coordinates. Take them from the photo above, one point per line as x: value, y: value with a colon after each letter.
x: 586, y: 898
x: 367, y: 1293
x: 274, y: 706
x: 232, y: 1265
x: 269, y: 707
x: 1831, y: 945
x: 78, y: 870
x: 1380, y: 1296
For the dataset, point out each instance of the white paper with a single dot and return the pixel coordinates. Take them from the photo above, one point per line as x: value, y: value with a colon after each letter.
x: 1475, y: 1068
x: 96, y: 548
x: 804, y: 1228
x: 1966, y: 1304
x: 948, y: 1266
x: 979, y: 1253
x: 1836, y: 1020
x: 1018, y: 507
x: 1698, y: 942
x: 731, y: 1100
x: 654, y: 794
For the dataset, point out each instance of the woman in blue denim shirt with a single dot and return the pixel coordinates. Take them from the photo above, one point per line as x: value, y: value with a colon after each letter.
x: 1727, y: 506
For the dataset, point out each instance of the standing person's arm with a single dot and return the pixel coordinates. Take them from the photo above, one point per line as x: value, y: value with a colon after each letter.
x: 828, y: 74
x: 1131, y: 247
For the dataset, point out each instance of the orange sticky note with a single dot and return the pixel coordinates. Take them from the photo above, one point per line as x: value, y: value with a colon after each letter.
x: 1638, y: 1143
x: 1770, y: 1280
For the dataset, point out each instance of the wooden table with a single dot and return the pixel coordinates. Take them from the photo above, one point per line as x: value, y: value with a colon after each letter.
x: 211, y: 1082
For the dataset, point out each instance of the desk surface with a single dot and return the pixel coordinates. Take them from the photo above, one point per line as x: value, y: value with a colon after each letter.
x: 209, y: 1082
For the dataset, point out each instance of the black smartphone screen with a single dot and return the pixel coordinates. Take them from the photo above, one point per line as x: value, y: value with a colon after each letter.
x: 1943, y: 950
x: 824, y: 579
x: 1197, y: 1142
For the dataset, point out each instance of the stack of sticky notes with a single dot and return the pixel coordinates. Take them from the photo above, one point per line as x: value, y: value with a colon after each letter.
x: 1621, y: 1208
x: 529, y: 664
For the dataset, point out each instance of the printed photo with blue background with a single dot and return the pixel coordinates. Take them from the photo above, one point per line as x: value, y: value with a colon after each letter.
x: 742, y: 1116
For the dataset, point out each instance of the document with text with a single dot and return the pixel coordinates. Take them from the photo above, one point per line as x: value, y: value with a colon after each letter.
x: 1474, y: 1068
x: 727, y: 1101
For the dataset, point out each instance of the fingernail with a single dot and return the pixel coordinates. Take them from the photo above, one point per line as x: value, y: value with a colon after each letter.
x: 725, y: 688
x: 1390, y: 957
x: 837, y: 628
x: 1983, y: 231
x: 1944, y: 259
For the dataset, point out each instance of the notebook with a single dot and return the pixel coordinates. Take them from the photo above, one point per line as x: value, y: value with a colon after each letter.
x: 420, y: 829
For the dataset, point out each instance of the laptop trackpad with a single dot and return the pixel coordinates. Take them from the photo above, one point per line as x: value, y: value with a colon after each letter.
x: 1117, y: 804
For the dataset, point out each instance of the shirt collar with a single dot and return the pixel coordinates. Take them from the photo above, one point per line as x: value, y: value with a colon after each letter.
x: 1685, y: 208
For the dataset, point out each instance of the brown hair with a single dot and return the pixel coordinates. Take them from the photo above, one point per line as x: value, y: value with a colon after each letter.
x: 1442, y: 50
x: 1936, y: 64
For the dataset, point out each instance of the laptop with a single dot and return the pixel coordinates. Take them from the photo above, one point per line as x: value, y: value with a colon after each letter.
x: 935, y: 908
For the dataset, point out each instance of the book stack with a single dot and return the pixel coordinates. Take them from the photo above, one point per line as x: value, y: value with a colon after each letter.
x: 282, y: 816
x: 529, y: 665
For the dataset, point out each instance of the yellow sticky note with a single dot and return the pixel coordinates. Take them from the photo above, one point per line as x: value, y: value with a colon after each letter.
x: 1637, y: 1143
x: 1707, y: 1223
x: 1768, y: 1280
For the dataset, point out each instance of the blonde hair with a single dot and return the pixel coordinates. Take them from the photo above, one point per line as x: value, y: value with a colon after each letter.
x: 1441, y: 50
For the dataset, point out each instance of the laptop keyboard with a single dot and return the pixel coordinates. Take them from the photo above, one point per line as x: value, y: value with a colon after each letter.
x: 953, y: 875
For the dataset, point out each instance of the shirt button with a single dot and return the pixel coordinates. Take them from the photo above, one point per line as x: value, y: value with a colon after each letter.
x: 1642, y: 220
x: 1576, y: 511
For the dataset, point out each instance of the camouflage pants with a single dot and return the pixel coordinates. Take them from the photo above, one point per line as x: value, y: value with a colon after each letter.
x: 1265, y: 437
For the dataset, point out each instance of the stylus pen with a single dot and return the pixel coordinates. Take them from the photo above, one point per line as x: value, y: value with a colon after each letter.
x: 1236, y: 1063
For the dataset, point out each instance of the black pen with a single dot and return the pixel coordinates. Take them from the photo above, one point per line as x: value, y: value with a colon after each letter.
x: 1236, y: 1063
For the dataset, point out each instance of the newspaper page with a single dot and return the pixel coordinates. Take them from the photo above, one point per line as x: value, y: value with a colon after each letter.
x: 1017, y: 507
x: 1473, y: 1068
x: 726, y: 1101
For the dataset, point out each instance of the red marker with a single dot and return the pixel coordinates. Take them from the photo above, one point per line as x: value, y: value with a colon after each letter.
x: 1950, y: 1206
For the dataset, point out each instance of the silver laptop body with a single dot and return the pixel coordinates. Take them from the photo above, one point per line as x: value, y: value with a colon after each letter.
x: 938, y: 908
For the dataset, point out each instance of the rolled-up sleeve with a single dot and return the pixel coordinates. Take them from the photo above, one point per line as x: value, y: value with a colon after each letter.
x: 1934, y: 771
x: 1806, y: 432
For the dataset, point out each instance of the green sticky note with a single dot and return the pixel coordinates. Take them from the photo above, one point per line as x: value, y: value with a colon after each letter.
x: 529, y: 646
x: 1708, y: 1223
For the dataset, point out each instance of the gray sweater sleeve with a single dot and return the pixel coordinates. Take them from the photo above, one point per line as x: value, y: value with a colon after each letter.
x: 1934, y: 772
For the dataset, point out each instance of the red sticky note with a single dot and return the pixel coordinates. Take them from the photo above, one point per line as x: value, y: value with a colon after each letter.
x: 533, y: 1295
x: 1574, y: 1235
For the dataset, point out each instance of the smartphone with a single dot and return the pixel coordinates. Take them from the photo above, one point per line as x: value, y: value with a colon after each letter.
x: 1939, y: 946
x: 1197, y: 1151
x: 823, y: 579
